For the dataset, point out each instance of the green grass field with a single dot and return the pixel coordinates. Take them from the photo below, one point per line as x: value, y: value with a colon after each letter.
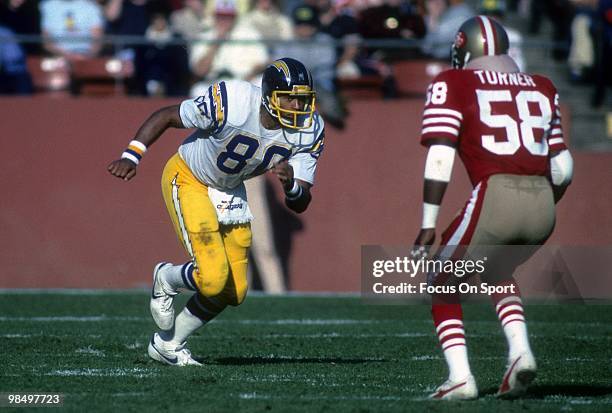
x: 291, y: 354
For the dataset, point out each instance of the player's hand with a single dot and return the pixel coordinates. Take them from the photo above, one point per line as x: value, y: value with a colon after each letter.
x: 423, y: 243
x: 284, y: 173
x: 123, y: 169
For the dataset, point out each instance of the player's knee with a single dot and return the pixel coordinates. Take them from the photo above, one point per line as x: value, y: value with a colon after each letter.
x: 211, y: 279
x: 210, y: 289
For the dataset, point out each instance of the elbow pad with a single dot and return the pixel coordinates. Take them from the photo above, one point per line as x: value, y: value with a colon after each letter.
x: 562, y: 168
x: 439, y: 164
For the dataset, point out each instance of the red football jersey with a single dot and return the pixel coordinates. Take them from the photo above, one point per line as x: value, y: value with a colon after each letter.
x: 499, y: 122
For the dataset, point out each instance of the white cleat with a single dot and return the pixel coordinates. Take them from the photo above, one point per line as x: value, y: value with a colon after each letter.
x: 162, y: 296
x: 519, y: 375
x: 169, y: 353
x: 465, y: 389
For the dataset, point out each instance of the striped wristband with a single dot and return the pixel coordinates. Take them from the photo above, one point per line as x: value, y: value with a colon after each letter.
x: 134, y: 151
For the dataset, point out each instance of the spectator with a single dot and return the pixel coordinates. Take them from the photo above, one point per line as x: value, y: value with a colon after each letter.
x: 317, y: 51
x: 71, y: 28
x: 127, y: 17
x: 14, y: 76
x: 190, y: 20
x: 344, y: 27
x: 561, y: 13
x: 394, y: 19
x: 443, y: 21
x: 22, y: 17
x: 497, y: 9
x: 266, y: 18
x: 603, y: 70
x: 132, y: 18
x: 164, y: 63
x: 213, y: 58
x: 241, y: 7
x: 581, y: 59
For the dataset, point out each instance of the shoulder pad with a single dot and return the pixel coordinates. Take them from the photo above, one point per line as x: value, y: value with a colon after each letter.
x: 240, y: 95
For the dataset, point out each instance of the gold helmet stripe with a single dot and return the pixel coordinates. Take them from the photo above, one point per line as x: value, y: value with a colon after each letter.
x: 219, y: 112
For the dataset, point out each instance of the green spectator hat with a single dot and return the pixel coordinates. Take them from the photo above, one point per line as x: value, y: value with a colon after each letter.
x: 478, y: 36
x: 306, y: 15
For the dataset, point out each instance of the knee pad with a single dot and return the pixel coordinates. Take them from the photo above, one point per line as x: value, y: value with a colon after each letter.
x: 212, y: 273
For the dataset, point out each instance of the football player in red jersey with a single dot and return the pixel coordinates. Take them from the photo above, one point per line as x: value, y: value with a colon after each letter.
x: 506, y: 127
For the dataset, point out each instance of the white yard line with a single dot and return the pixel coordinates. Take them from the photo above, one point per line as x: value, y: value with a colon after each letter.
x: 90, y: 350
x: 297, y: 321
x: 113, y: 372
x: 263, y: 396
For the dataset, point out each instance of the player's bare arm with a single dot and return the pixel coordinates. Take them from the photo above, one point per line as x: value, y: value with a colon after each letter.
x: 438, y: 168
x: 164, y: 118
x: 297, y: 192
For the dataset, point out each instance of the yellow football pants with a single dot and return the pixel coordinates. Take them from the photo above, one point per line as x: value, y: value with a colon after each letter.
x: 219, y: 252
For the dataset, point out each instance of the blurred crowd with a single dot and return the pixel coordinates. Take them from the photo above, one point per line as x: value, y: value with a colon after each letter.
x: 177, y: 46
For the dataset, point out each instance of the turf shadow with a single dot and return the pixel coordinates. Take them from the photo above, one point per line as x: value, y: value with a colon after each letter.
x: 241, y: 361
x: 568, y: 390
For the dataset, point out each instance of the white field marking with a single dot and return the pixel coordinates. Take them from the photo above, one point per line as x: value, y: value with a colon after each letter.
x: 322, y: 382
x: 105, y: 318
x: 333, y: 335
x: 116, y: 372
x: 582, y: 359
x: 428, y: 357
x: 425, y: 358
x: 261, y: 396
x: 302, y: 322
x: 310, y: 382
x: 39, y: 335
x: 133, y: 346
x: 299, y: 357
x: 559, y: 398
x: 81, y: 319
x: 133, y: 394
x: 90, y: 350
x: 308, y: 321
x: 20, y: 335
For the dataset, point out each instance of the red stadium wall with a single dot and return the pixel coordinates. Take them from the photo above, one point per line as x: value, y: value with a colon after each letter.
x: 66, y: 223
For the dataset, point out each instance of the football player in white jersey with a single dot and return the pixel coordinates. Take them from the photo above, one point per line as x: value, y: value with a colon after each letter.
x: 241, y: 132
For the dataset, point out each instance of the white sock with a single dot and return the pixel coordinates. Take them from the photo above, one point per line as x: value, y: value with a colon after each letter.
x: 184, y: 326
x: 516, y: 335
x: 178, y: 276
x: 457, y: 361
x: 511, y: 316
x: 452, y: 340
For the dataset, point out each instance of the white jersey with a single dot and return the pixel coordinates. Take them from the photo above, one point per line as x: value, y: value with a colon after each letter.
x: 231, y: 146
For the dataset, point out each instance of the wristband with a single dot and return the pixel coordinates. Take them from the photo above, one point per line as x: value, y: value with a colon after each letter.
x: 295, y: 192
x: 134, y: 151
x: 430, y: 215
